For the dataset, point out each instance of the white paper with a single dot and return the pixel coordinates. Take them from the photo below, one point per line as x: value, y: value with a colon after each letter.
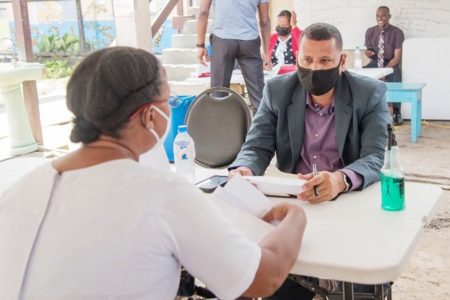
x: 243, y: 195
x: 277, y: 186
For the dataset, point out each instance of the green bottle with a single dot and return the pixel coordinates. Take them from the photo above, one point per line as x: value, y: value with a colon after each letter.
x: 392, y: 177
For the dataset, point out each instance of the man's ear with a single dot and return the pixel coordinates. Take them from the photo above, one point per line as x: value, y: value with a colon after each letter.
x: 343, y: 66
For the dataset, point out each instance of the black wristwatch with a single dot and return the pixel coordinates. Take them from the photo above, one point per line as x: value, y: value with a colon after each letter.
x: 200, y: 45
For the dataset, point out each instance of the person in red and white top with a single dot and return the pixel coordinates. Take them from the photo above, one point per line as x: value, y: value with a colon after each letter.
x: 283, y: 45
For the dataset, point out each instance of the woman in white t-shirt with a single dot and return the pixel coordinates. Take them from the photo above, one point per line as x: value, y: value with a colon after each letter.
x: 95, y: 224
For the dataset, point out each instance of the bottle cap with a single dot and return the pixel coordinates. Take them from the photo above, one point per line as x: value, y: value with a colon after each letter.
x: 182, y: 128
x: 389, y: 130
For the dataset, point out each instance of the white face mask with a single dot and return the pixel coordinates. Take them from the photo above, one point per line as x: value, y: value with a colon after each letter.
x: 160, y: 140
x: 156, y: 157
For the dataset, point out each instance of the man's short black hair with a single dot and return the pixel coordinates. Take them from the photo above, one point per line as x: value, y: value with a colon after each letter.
x: 385, y: 8
x: 285, y: 13
x: 323, y: 32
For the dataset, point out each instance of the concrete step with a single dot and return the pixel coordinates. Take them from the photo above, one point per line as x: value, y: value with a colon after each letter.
x: 190, y: 27
x: 186, y: 88
x: 194, y: 10
x: 186, y: 40
x: 179, y: 56
x: 179, y: 72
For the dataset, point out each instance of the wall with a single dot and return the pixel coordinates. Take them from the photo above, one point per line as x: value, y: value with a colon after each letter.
x: 417, y: 18
x: 426, y: 60
x: 274, y: 9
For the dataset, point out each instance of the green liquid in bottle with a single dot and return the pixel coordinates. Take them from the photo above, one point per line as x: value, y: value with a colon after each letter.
x: 393, y: 191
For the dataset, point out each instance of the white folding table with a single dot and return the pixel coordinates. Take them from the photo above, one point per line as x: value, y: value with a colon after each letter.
x: 238, y: 78
x: 352, y: 239
x: 377, y: 73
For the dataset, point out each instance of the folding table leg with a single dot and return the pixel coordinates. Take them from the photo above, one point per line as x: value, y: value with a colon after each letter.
x: 347, y: 291
x: 379, y: 292
x: 389, y: 295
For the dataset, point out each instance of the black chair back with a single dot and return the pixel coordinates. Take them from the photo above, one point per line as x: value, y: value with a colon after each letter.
x: 218, y: 121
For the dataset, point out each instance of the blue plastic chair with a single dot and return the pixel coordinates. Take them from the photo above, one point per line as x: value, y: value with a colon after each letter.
x: 179, y: 106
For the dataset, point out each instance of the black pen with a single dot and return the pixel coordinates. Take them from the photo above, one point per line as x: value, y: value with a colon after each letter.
x: 314, y: 172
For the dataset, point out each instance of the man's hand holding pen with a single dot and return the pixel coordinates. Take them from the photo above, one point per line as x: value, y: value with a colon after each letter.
x: 328, y: 186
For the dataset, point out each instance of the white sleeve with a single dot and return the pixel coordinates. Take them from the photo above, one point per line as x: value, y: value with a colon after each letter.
x: 206, y: 243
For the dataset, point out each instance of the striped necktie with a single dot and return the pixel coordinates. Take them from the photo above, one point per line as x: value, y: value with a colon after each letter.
x: 380, y: 61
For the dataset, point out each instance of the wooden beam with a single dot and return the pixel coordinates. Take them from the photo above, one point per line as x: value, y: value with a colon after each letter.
x: 25, y: 50
x: 162, y: 16
x: 180, y: 10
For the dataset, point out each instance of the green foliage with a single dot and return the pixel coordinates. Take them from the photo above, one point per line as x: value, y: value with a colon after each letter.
x: 55, y: 44
x: 58, y: 68
x: 157, y: 38
x: 58, y: 53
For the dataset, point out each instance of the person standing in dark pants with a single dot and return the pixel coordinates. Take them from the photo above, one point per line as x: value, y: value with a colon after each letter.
x: 236, y: 37
x: 384, y: 48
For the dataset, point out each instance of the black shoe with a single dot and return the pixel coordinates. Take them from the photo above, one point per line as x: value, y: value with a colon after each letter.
x: 397, y: 119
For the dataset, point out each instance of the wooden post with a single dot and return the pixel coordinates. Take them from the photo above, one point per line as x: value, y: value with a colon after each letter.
x: 133, y: 26
x: 25, y: 50
x: 80, y: 22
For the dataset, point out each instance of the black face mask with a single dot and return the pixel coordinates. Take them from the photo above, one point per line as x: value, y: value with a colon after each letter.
x: 318, y: 82
x: 282, y: 31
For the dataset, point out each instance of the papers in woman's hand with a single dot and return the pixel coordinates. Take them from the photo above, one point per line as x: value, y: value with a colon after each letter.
x: 242, y: 194
x: 277, y: 186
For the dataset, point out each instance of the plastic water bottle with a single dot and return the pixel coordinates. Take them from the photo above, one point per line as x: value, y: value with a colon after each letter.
x: 358, y: 61
x: 392, y: 177
x: 184, y: 154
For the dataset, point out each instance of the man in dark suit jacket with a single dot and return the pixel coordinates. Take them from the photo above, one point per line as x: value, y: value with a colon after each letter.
x: 324, y: 116
x: 290, y: 122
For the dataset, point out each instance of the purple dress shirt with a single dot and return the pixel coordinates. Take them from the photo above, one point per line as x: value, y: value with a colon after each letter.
x: 320, y: 143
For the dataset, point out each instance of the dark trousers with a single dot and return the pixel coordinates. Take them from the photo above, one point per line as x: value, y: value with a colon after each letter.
x: 291, y: 290
x: 396, y: 76
x: 247, y: 53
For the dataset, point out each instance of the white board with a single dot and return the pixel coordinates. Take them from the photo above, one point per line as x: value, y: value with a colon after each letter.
x: 417, y: 18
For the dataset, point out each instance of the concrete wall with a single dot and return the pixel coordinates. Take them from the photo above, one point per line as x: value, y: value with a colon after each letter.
x: 274, y: 9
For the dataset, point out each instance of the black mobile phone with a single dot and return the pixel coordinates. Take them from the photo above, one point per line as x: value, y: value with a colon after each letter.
x: 209, y: 184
